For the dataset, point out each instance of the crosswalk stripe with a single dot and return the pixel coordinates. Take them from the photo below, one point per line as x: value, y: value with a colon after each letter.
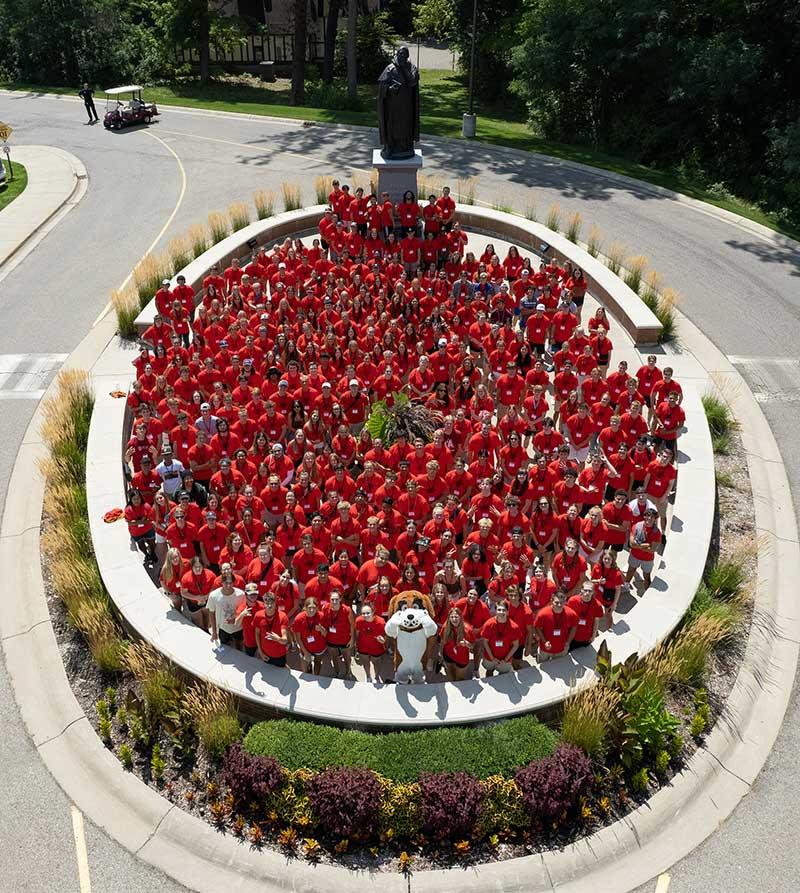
x: 24, y: 376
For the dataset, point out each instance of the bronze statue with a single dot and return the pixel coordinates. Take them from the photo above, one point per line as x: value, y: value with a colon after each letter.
x: 398, y: 107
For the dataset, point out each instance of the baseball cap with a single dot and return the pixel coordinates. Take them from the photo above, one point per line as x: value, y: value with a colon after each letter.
x: 205, y: 406
x: 211, y: 516
x: 354, y: 381
x: 541, y: 307
x: 165, y: 281
x: 443, y: 342
x: 326, y: 384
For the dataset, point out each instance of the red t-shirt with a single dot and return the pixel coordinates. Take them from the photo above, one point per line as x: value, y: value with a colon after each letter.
x: 276, y: 624
x: 337, y: 623
x: 455, y: 651
x: 661, y: 477
x: 367, y: 632
x: 587, y: 613
x: 500, y: 637
x: 306, y: 628
x: 555, y: 628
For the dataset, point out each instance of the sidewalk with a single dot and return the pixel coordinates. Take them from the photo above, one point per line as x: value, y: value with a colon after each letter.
x: 57, y: 181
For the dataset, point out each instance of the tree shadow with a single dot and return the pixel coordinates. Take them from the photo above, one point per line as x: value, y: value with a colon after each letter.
x: 783, y: 253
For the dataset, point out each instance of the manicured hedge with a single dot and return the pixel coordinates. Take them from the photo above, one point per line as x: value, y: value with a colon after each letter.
x: 497, y: 749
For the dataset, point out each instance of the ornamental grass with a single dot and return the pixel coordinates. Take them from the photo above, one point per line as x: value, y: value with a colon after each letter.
x: 466, y: 189
x: 552, y: 219
x: 212, y: 713
x: 594, y: 241
x: 292, y: 196
x: 179, y: 250
x: 126, y: 308
x: 531, y: 208
x: 239, y: 215
x: 148, y: 274
x: 574, y: 225
x: 264, y: 201
x: 323, y: 186
x: 198, y: 239
x: 615, y: 256
x: 634, y: 270
x: 586, y: 718
x: 218, y: 227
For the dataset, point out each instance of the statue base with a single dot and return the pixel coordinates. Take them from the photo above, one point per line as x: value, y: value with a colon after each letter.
x: 395, y: 176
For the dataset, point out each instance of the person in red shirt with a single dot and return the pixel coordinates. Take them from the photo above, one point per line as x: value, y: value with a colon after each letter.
x: 519, y: 612
x: 608, y: 581
x: 668, y: 420
x: 309, y: 633
x: 248, y: 614
x: 340, y: 633
x: 447, y: 208
x: 589, y: 612
x: 271, y: 627
x: 644, y: 540
x: 139, y: 516
x: 569, y: 568
x: 501, y: 638
x: 211, y: 538
x: 457, y: 640
x: 370, y: 642
x: 197, y: 584
x: 555, y: 627
x: 659, y: 481
x: 617, y: 518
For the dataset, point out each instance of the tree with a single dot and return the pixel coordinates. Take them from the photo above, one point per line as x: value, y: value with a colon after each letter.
x: 299, y: 53
x: 352, y: 71
x: 331, y: 27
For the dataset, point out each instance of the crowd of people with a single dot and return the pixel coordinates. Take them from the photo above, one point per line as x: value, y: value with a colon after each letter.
x: 280, y: 526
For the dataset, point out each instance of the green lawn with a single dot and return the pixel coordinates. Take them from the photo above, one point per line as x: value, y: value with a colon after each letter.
x: 443, y: 101
x: 14, y: 187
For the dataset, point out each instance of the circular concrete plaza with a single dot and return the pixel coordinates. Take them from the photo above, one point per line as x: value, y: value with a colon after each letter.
x: 643, y: 618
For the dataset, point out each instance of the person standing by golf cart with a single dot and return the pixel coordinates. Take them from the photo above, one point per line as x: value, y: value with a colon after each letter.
x: 87, y: 94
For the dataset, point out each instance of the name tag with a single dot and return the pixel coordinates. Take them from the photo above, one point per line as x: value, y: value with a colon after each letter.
x: 556, y: 632
x: 498, y: 643
x: 312, y: 639
x: 331, y: 629
x: 581, y: 623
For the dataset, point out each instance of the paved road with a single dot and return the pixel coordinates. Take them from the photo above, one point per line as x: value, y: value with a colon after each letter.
x: 739, y: 289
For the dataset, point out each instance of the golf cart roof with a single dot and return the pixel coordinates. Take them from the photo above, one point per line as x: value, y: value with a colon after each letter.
x: 115, y: 91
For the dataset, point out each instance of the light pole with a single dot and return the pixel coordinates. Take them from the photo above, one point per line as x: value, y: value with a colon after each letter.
x: 469, y: 121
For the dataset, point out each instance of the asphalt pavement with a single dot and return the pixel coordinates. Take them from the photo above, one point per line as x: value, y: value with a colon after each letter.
x: 739, y: 288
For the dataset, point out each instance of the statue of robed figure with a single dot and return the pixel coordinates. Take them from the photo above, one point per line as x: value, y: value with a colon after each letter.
x: 398, y: 107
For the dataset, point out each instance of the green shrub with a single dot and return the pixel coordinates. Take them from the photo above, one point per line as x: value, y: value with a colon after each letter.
x: 702, y: 601
x: 648, y: 724
x: 332, y: 96
x: 161, y: 692
x: 665, y: 314
x: 401, y: 756
x: 157, y: 764
x: 399, y: 815
x: 640, y: 780
x: 587, y: 716
x: 726, y: 578
x: 503, y: 806
x: 718, y: 415
x: 218, y: 733
x: 126, y: 756
x: 662, y: 761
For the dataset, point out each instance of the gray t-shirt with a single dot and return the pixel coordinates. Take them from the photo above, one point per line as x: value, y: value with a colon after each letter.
x: 170, y: 475
x: 225, y: 608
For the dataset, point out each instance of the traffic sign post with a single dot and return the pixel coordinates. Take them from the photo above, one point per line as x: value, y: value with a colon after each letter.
x: 5, y: 132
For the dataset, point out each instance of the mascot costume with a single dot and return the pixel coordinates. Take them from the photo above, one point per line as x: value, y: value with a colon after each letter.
x: 412, y: 625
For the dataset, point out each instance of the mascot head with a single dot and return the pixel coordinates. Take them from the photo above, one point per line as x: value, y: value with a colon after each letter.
x: 411, y: 606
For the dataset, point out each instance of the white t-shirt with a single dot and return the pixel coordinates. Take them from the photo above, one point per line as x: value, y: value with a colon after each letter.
x: 225, y: 608
x: 170, y: 475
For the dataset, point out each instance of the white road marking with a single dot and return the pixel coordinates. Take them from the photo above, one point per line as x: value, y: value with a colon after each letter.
x: 761, y: 361
x: 772, y: 379
x: 24, y: 376
x: 163, y: 229
x: 81, y: 853
x: 662, y: 884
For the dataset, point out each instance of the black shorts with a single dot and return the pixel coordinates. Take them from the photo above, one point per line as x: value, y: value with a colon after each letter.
x: 275, y: 661
x: 616, y: 547
x: 578, y: 301
x: 150, y: 536
x: 371, y: 656
x: 340, y: 648
x: 455, y: 663
x: 230, y: 638
x: 555, y: 346
x: 250, y: 650
x: 603, y: 358
x: 573, y: 645
x: 519, y: 654
x: 191, y: 606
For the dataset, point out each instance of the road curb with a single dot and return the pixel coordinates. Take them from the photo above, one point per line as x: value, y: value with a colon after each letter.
x: 750, y: 226
x: 619, y: 857
x: 72, y: 188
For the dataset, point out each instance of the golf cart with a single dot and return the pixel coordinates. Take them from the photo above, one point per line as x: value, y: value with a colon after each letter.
x: 122, y: 109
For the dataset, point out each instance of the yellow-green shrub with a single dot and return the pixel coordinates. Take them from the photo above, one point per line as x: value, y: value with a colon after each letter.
x: 400, y: 808
x: 503, y: 806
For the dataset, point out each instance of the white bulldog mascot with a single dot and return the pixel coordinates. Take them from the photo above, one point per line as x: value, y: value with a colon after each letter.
x: 413, y: 627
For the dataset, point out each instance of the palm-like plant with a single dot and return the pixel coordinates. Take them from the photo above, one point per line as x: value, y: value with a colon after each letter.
x: 390, y: 419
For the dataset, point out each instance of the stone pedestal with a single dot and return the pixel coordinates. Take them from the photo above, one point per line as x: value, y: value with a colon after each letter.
x: 396, y: 176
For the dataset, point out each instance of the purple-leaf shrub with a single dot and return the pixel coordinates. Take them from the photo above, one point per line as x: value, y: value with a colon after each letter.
x: 250, y: 778
x: 450, y: 803
x: 346, y: 801
x: 553, y: 785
